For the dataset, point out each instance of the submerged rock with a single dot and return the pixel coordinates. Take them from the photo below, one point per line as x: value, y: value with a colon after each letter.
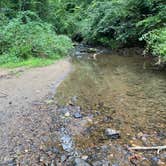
x: 67, y: 143
x: 154, y: 161
x: 77, y: 115
x: 101, y: 163
x: 80, y: 162
x: 112, y: 134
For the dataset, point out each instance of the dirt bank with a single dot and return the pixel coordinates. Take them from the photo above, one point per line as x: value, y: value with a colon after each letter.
x: 19, y: 90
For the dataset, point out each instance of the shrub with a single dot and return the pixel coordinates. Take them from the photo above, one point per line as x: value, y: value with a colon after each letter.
x: 27, y: 36
x: 156, y: 42
x: 119, y: 23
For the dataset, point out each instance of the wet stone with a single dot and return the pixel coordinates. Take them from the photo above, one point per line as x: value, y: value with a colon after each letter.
x: 67, y: 143
x: 107, y: 119
x: 77, y: 115
x: 80, y: 162
x: 84, y: 157
x: 115, y: 164
x: 55, y: 150
x: 112, y: 134
x: 9, y: 163
x: 101, y: 163
x: 154, y: 161
x: 52, y: 163
x: 63, y: 158
x: 45, y: 138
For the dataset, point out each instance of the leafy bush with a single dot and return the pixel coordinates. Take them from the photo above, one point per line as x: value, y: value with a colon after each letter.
x: 119, y: 23
x: 156, y: 42
x: 27, y: 36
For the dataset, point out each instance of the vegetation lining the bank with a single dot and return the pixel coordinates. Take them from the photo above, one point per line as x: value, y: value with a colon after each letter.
x: 31, y: 28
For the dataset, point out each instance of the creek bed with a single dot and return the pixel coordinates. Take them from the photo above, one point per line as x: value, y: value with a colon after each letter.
x: 121, y: 92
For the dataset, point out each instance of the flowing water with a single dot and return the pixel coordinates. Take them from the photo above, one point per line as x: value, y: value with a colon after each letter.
x: 121, y: 92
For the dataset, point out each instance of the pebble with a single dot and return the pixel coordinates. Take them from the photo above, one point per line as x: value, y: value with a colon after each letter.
x: 101, y: 163
x: 67, y: 143
x: 74, y: 99
x: 144, y: 139
x: 77, y: 115
x: 154, y: 160
x: 63, y: 158
x: 55, y: 150
x: 161, y: 163
x: 67, y: 114
x: 113, y: 134
x: 80, y: 162
x: 140, y: 134
x: 84, y: 157
x: 115, y: 164
x: 52, y: 163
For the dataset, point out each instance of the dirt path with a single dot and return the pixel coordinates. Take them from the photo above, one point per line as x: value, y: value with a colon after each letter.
x: 19, y: 90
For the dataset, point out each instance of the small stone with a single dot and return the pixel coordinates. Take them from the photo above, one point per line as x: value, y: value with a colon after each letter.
x: 107, y: 119
x: 77, y: 115
x: 52, y: 163
x: 63, y: 158
x: 70, y: 103
x: 113, y: 134
x: 26, y: 150
x: 44, y: 138
x: 161, y: 163
x: 84, y: 157
x: 55, y: 150
x: 154, y: 160
x: 80, y: 162
x: 41, y: 159
x: 74, y: 99
x: 140, y: 134
x: 67, y: 143
x: 10, y: 102
x: 67, y: 114
x: 101, y: 163
x: 115, y: 164
x: 144, y: 139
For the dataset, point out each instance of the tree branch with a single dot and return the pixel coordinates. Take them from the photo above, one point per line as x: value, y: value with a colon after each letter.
x: 158, y: 148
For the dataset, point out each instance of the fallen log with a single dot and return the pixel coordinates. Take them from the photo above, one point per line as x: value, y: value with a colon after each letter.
x: 158, y: 148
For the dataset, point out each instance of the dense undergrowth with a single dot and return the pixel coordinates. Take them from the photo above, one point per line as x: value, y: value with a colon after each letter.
x: 126, y: 23
x: 27, y: 38
x: 34, y: 28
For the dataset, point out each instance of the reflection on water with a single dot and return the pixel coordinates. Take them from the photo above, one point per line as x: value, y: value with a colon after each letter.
x: 121, y: 92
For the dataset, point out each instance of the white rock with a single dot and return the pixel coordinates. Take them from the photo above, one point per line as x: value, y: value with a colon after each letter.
x: 67, y: 114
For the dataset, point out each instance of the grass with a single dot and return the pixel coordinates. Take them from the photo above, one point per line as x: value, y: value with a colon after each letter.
x: 32, y: 62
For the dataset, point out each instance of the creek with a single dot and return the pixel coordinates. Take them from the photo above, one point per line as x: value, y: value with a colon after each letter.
x: 118, y: 90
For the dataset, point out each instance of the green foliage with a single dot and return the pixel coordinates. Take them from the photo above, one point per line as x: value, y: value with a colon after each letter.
x: 29, y: 26
x: 119, y: 23
x: 32, y: 62
x: 27, y: 36
x: 156, y: 42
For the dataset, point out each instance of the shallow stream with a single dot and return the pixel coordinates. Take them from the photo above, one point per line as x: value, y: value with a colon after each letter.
x: 121, y: 91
